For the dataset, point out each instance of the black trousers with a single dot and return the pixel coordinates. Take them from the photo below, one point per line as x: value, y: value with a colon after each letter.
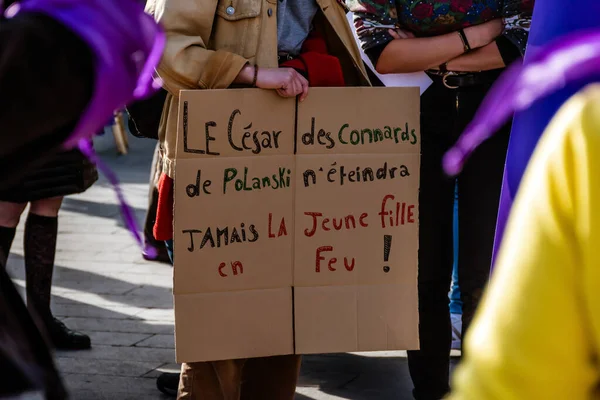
x: 444, y: 116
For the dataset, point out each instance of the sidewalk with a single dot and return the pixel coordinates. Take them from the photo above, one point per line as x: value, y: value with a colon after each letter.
x: 103, y: 287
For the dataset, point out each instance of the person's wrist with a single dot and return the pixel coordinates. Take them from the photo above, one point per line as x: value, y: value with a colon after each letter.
x: 255, y: 76
x: 465, y: 41
x: 476, y: 36
x: 246, y: 75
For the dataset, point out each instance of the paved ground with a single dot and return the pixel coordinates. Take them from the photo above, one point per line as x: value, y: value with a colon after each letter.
x: 103, y: 287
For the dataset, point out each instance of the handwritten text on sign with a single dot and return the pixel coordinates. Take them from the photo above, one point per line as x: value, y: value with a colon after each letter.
x: 270, y: 193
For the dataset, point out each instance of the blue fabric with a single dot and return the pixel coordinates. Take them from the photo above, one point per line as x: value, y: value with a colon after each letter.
x: 455, y: 302
x: 169, y: 246
x: 548, y: 24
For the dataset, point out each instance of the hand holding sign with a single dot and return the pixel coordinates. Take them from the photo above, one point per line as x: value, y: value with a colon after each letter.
x: 286, y: 81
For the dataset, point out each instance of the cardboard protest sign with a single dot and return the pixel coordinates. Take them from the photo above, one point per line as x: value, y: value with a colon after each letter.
x: 296, y: 224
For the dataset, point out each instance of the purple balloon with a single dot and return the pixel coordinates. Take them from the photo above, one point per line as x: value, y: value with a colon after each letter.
x: 127, y: 45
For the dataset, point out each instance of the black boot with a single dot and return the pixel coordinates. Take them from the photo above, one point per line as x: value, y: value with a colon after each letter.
x: 40, y: 248
x: 168, y: 383
x: 64, y: 338
x: 6, y: 238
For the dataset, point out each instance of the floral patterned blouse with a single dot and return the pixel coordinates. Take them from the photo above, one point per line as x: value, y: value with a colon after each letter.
x: 373, y: 18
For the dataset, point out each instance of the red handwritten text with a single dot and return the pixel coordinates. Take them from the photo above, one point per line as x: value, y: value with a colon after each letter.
x: 282, y: 227
x: 403, y: 213
x: 326, y: 224
x: 331, y: 261
x: 236, y: 268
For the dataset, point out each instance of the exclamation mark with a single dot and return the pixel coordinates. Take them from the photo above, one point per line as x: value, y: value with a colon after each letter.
x: 387, y: 245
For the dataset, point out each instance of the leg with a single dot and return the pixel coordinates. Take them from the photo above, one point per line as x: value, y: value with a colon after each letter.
x: 170, y: 250
x: 168, y: 382
x: 41, y: 230
x: 479, y: 191
x: 429, y: 367
x: 25, y: 359
x: 10, y: 213
x: 25, y: 341
x: 216, y: 380
x: 455, y: 302
x: 271, y: 378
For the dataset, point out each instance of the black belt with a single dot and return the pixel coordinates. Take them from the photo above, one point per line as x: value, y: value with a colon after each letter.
x: 283, y: 57
x: 457, y: 80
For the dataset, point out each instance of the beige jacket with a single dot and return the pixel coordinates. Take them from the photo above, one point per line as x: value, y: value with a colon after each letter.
x: 207, y: 48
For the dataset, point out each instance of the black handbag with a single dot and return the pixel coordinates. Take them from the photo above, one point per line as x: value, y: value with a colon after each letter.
x: 144, y: 115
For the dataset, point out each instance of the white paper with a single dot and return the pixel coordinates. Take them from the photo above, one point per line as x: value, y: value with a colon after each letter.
x: 419, y: 79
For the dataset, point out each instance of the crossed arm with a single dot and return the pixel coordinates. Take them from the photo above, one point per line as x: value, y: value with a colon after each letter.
x: 407, y: 53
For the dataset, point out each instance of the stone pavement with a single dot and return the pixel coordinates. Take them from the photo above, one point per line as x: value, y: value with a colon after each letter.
x: 103, y: 287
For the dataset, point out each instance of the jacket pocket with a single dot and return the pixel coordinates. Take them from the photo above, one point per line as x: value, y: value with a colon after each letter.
x: 237, y: 26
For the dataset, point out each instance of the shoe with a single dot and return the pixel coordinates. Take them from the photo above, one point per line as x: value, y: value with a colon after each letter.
x: 161, y: 256
x: 64, y: 338
x: 168, y: 383
x: 456, y: 331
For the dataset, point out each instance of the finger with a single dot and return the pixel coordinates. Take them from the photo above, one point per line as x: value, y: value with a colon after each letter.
x: 304, y: 84
x: 288, y: 90
x: 285, y: 92
x: 289, y: 86
x: 394, y: 34
x: 297, y: 87
x: 403, y: 34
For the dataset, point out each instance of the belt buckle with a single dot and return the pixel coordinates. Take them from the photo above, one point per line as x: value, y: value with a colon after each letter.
x: 445, y: 81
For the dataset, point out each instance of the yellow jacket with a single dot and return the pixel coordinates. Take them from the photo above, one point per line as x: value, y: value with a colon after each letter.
x: 207, y: 47
x: 537, y: 334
